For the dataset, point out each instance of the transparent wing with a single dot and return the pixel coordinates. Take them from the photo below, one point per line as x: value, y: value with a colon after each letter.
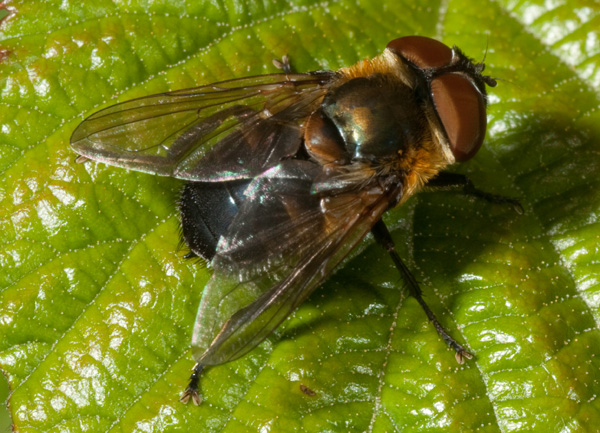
x: 277, y: 251
x: 225, y: 130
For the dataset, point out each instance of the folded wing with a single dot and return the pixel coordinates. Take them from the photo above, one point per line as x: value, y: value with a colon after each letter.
x: 285, y: 240
x: 222, y: 131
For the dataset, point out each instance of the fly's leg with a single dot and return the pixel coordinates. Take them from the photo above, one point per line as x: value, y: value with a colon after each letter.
x: 383, y: 237
x: 193, y: 389
x: 81, y: 159
x: 449, y: 180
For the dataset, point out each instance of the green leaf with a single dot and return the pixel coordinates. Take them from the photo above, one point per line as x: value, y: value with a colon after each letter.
x: 97, y: 303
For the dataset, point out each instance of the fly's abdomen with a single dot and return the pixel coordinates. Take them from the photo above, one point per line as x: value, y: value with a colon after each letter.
x: 207, y: 209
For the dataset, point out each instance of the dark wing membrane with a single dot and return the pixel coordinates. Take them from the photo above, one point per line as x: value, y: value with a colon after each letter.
x: 221, y: 131
x: 277, y: 251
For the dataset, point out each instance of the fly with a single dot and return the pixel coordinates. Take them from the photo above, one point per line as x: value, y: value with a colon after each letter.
x: 286, y: 173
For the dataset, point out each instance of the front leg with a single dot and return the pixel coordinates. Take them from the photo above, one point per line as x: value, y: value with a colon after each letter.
x: 446, y: 179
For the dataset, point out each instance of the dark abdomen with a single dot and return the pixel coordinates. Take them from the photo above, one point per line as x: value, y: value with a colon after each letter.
x: 207, y: 209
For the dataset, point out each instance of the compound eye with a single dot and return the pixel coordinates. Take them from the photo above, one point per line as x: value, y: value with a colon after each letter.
x: 421, y: 51
x: 461, y: 108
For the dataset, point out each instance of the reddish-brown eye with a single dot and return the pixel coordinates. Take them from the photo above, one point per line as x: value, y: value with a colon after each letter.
x: 421, y: 51
x: 461, y: 108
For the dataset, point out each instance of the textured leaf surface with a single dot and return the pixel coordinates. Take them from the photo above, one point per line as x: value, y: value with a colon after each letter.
x: 97, y: 303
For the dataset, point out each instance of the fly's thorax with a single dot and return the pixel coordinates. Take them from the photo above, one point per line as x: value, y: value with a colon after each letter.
x: 375, y: 116
x: 366, y: 118
x: 417, y: 165
x: 385, y: 121
x: 386, y: 63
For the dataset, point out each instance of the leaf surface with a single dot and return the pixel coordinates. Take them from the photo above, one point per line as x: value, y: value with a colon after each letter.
x: 97, y: 303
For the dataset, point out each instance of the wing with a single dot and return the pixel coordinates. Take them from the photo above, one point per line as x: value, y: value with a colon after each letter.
x: 278, y: 249
x: 233, y: 129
